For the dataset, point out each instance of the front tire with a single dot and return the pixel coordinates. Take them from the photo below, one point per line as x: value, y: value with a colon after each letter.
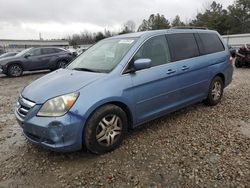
x: 215, y: 92
x: 105, y: 129
x: 61, y: 64
x: 14, y: 70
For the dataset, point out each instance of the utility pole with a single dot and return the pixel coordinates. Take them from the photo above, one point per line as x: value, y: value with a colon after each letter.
x: 40, y: 36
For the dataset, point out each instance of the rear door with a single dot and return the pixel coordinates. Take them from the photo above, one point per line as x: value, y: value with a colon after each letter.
x: 49, y: 57
x: 192, y: 68
x: 35, y: 60
x: 155, y: 89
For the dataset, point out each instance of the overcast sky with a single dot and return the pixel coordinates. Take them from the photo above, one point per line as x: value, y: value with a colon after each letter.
x: 24, y: 19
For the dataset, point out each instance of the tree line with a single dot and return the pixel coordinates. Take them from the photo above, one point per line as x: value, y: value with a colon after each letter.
x: 235, y: 19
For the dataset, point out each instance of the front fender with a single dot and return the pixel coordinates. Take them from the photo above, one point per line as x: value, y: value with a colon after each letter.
x: 5, y: 65
x: 90, y: 109
x: 108, y: 101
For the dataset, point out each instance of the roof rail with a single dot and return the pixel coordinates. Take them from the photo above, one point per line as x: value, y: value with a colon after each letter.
x: 189, y: 27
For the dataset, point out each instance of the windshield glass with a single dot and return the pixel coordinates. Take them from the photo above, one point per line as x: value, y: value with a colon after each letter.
x: 23, y: 52
x: 103, y: 56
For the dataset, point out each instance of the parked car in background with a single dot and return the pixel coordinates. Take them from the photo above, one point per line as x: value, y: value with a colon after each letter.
x: 80, y: 51
x: 35, y: 59
x: 8, y: 54
x: 120, y: 83
x: 72, y: 51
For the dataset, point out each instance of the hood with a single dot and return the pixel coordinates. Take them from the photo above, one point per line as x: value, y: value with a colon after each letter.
x: 58, y: 83
x: 9, y: 59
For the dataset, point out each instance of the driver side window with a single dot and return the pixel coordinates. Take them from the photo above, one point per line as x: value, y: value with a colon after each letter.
x: 155, y: 49
x: 35, y: 52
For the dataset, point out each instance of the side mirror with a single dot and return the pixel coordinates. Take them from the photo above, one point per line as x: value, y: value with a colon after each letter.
x: 140, y: 64
x: 27, y: 55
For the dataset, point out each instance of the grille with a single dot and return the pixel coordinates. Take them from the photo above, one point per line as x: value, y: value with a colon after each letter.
x: 23, y: 106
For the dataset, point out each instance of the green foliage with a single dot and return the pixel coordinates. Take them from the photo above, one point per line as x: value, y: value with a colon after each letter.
x: 128, y: 27
x: 99, y: 36
x: 234, y: 19
x: 154, y: 22
x: 177, y: 22
x: 213, y: 18
x: 239, y: 14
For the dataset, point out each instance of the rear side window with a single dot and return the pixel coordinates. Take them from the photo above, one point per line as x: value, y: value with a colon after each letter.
x: 183, y: 46
x: 57, y: 50
x: 211, y: 43
x: 155, y: 49
x: 48, y: 50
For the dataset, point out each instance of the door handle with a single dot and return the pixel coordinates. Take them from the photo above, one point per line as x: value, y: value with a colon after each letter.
x: 170, y: 71
x: 185, y: 68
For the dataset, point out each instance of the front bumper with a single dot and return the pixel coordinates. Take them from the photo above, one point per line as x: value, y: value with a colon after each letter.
x: 3, y: 69
x: 61, y: 134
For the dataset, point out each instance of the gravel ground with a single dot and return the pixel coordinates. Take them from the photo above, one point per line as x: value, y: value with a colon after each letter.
x: 197, y: 146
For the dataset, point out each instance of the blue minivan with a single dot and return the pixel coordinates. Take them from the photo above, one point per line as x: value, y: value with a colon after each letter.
x: 120, y: 83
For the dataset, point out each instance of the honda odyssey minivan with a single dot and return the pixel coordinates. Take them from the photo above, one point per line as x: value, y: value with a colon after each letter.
x: 120, y: 83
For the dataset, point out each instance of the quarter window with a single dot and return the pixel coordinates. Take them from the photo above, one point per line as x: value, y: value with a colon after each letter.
x: 183, y: 46
x: 57, y: 50
x: 155, y: 49
x: 211, y: 43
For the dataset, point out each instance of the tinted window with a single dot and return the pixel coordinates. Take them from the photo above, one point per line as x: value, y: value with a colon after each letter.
x: 35, y: 52
x: 48, y: 50
x: 183, y: 46
x: 155, y: 49
x: 211, y: 43
x: 57, y: 50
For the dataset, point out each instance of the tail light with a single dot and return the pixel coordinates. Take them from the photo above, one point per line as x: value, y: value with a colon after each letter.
x: 231, y: 59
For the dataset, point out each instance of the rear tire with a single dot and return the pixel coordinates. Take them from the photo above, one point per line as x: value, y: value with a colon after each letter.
x: 105, y: 129
x: 14, y: 70
x: 215, y: 92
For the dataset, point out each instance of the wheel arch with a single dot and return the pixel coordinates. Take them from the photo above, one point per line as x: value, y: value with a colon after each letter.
x: 15, y: 63
x: 120, y: 104
x: 62, y: 59
x: 222, y: 77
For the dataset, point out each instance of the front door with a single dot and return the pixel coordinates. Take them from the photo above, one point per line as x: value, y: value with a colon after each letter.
x: 155, y: 89
x: 36, y: 59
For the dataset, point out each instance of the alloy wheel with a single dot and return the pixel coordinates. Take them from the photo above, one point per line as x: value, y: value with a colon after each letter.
x: 216, y: 91
x: 62, y: 64
x: 15, y: 70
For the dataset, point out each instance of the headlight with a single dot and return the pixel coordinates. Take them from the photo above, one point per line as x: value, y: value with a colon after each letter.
x: 58, y: 106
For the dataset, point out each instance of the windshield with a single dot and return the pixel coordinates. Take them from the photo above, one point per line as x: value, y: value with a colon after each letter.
x: 103, y: 56
x: 23, y: 52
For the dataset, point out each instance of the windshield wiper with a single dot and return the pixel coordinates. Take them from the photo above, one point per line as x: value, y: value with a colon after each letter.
x: 84, y: 69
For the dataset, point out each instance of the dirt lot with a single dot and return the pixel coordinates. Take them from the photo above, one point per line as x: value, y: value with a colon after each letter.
x: 198, y: 146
